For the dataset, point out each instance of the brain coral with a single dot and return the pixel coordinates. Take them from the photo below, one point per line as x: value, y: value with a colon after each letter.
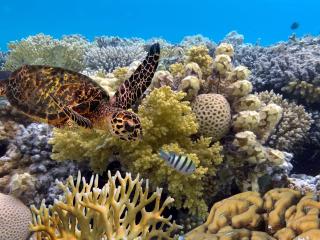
x: 14, y: 219
x: 282, y: 214
x: 213, y: 115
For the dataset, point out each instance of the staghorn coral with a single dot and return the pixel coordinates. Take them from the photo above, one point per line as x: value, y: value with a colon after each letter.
x: 107, y: 57
x: 213, y: 114
x: 160, y: 112
x: 42, y: 49
x: 14, y: 218
x: 281, y: 214
x: 87, y: 211
x: 294, y: 126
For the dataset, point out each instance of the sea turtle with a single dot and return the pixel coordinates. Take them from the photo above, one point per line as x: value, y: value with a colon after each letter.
x: 60, y: 97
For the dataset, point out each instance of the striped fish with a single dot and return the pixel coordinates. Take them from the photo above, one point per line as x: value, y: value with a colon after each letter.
x: 181, y: 163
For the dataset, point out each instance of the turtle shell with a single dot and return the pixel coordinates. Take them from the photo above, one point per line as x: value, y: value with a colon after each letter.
x: 31, y: 88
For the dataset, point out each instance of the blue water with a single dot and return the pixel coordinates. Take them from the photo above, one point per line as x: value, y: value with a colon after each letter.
x: 268, y: 20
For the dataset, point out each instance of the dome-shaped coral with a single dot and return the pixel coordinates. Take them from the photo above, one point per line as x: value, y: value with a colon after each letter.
x: 225, y: 48
x: 14, y: 218
x: 213, y: 114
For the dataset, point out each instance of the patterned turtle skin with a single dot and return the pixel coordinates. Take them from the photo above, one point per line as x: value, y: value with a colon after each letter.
x: 63, y: 97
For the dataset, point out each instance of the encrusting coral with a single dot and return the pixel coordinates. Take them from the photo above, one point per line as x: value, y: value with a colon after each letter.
x: 14, y: 218
x: 160, y: 112
x: 42, y: 49
x: 119, y: 210
x: 281, y: 214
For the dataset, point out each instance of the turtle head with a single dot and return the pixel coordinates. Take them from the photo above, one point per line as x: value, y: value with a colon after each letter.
x: 125, y: 125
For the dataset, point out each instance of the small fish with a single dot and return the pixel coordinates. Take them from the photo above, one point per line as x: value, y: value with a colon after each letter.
x: 294, y: 26
x: 181, y: 163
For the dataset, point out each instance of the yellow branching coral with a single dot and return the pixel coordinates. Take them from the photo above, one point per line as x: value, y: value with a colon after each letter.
x: 116, y: 211
x: 168, y: 123
x: 286, y: 215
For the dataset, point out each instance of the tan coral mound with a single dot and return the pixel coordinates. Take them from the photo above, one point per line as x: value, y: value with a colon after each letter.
x: 213, y: 115
x: 115, y: 211
x: 281, y: 214
x: 14, y: 218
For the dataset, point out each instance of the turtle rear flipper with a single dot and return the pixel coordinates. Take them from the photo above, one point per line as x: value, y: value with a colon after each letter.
x: 4, y: 75
x: 133, y: 88
x: 73, y: 115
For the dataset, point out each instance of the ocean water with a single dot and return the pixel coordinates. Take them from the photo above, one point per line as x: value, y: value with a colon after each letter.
x: 266, y: 21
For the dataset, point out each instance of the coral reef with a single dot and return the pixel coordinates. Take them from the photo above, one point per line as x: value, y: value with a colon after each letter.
x: 282, y: 214
x: 118, y: 210
x: 3, y: 58
x: 104, y: 55
x: 26, y: 168
x: 14, y: 218
x: 291, y: 68
x: 293, y: 128
x: 160, y: 112
x: 42, y: 49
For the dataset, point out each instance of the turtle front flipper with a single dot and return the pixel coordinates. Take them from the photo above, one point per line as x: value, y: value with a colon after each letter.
x: 73, y: 115
x: 133, y: 88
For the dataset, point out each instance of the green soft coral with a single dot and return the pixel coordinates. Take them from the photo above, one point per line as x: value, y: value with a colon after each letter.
x: 168, y: 123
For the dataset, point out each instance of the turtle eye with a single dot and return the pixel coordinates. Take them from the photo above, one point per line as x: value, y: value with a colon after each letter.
x: 128, y: 127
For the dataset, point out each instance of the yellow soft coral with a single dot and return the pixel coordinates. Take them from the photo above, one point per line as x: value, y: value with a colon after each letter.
x: 167, y: 122
x: 110, y: 213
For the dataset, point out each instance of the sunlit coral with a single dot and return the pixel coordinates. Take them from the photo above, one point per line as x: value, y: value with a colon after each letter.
x: 111, y: 212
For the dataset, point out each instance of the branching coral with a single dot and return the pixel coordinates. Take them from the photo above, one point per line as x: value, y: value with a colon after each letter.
x: 42, y: 49
x: 168, y: 123
x: 291, y: 68
x: 105, y: 56
x: 286, y: 215
x: 116, y: 211
x: 293, y: 127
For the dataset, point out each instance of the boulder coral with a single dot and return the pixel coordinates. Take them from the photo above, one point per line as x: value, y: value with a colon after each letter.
x: 14, y: 218
x: 281, y: 214
x: 160, y: 112
x: 122, y: 209
x: 213, y: 115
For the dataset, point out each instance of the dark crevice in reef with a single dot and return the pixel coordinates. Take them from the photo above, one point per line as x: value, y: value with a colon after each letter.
x: 307, y: 162
x: 3, y: 147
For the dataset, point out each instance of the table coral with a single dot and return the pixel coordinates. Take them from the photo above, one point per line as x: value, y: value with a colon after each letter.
x: 116, y: 211
x: 281, y: 214
x: 168, y: 122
